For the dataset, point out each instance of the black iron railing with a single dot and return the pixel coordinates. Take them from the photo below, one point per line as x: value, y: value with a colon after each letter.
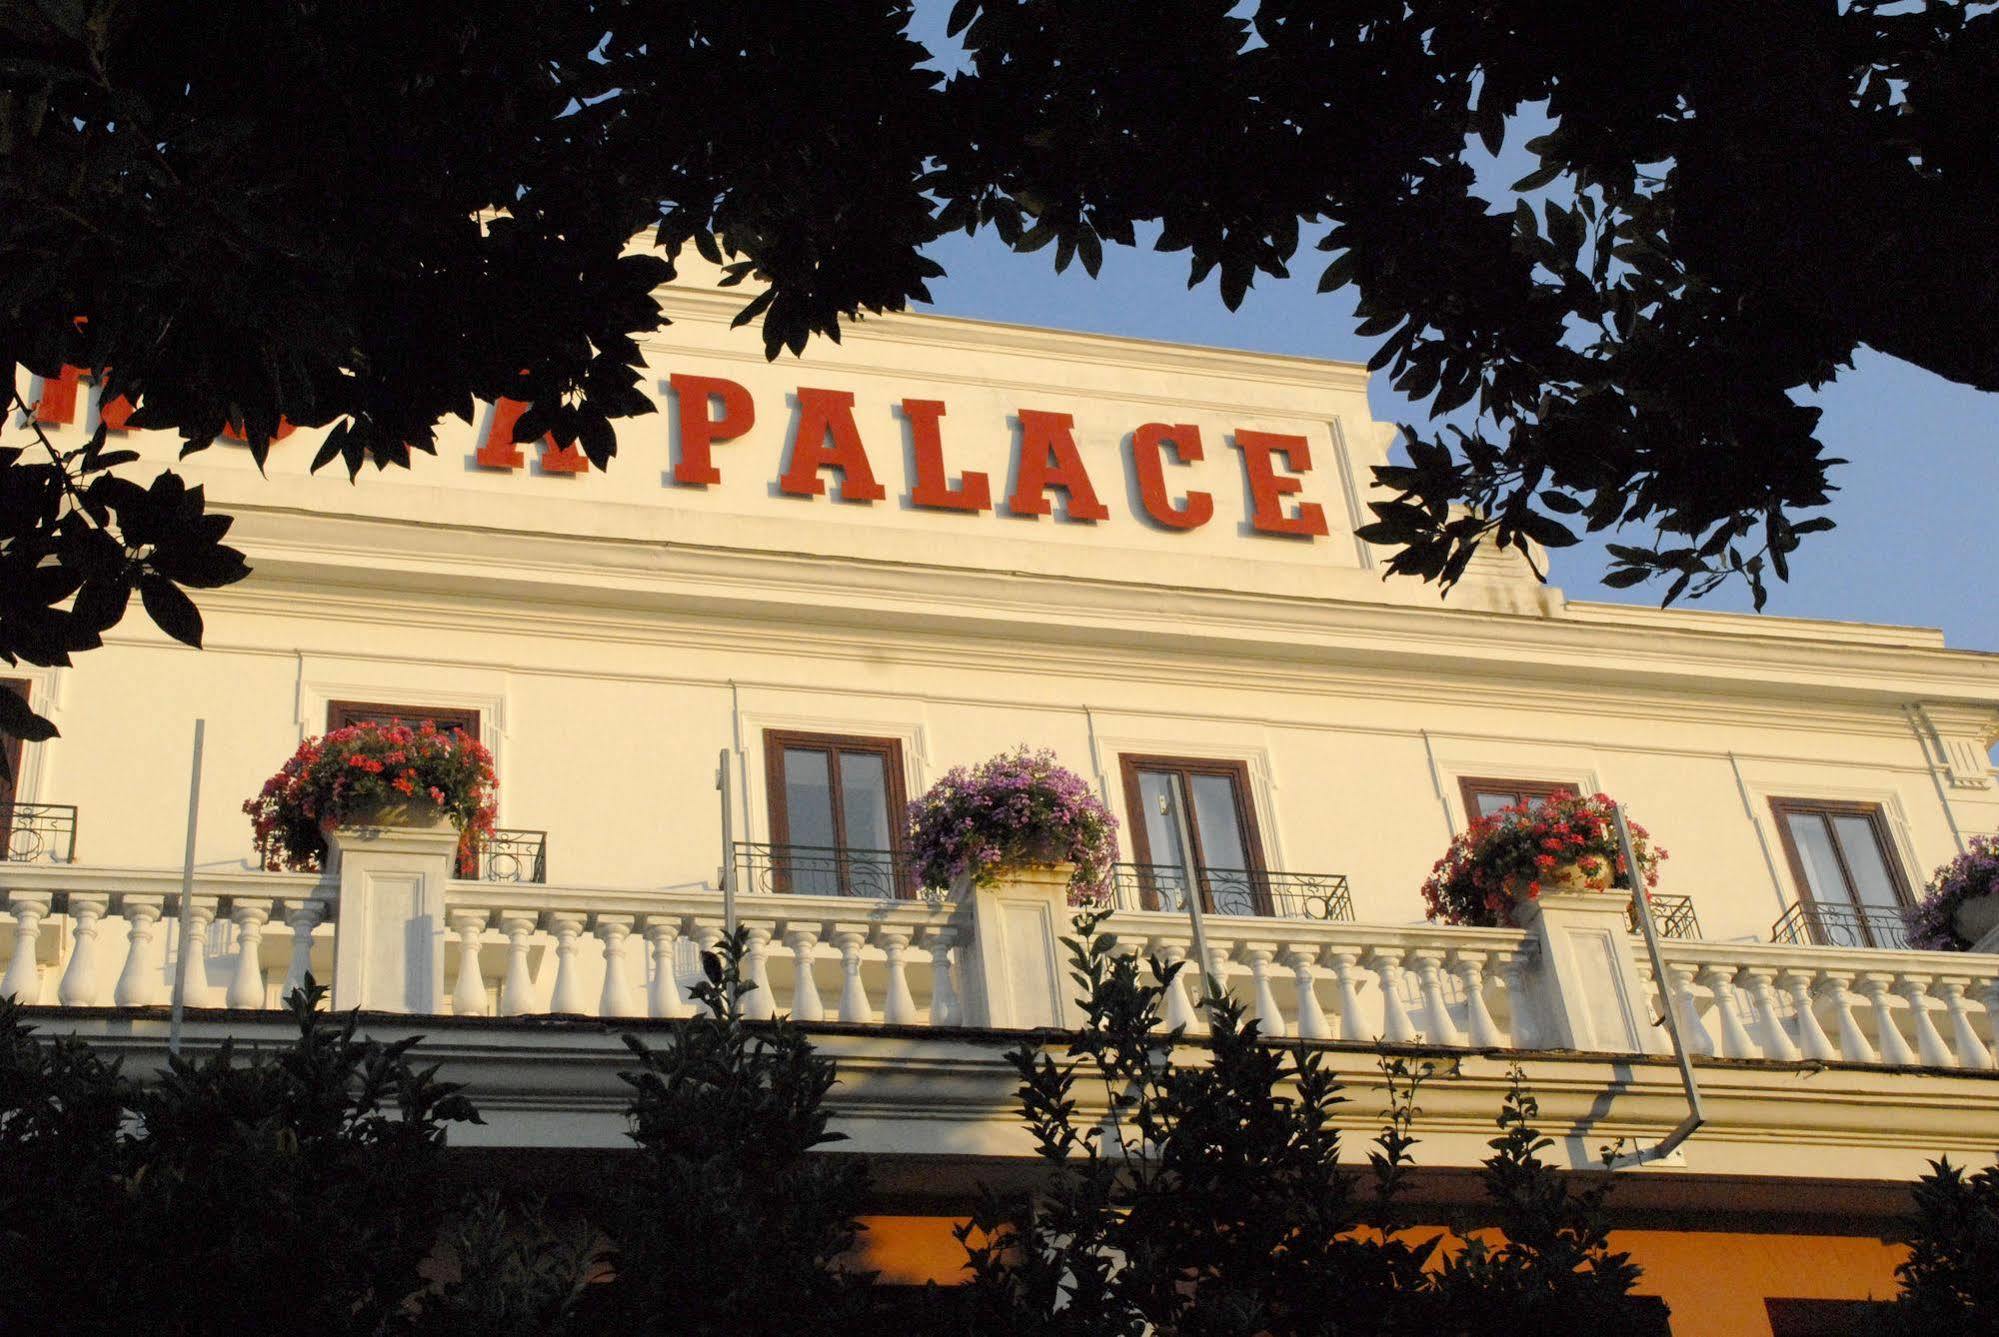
x: 1673, y: 916
x: 39, y: 832
x: 1811, y: 924
x: 513, y: 856
x: 1234, y: 891
x: 819, y: 870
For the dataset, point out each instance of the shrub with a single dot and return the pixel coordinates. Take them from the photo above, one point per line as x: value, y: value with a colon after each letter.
x: 1932, y: 920
x: 1950, y: 1282
x: 364, y: 767
x: 1508, y: 854
x: 1017, y: 809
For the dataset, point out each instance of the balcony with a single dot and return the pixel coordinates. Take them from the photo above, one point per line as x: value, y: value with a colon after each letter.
x: 1233, y: 891
x: 38, y: 832
x: 1672, y: 916
x: 1810, y: 923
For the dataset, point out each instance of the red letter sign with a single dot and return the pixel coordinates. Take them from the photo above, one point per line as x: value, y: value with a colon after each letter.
x: 698, y: 431
x: 501, y: 451
x: 57, y: 405
x: 823, y: 414
x: 972, y: 493
x: 1267, y: 490
x: 1048, y: 458
x: 1148, y: 450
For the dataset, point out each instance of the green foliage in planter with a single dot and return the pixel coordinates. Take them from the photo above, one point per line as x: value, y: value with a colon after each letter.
x: 297, y: 1193
x: 730, y: 1224
x: 1213, y: 1200
x: 1950, y: 1283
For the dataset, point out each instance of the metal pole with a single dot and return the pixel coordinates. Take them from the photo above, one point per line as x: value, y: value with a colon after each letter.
x: 728, y: 865
x: 1696, y: 1112
x: 186, y: 891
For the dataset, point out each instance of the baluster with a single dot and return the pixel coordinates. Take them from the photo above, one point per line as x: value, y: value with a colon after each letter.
x: 246, y: 986
x: 468, y: 995
x: 1853, y: 1046
x: 1735, y: 1041
x: 1430, y: 976
x: 1351, y: 1025
x: 78, y: 986
x: 1482, y: 1030
x: 899, y: 1009
x: 708, y: 941
x: 194, y: 947
x: 1771, y: 1035
x: 619, y: 998
x: 1396, y: 1028
x: 1887, y: 1035
x: 139, y: 982
x: 1930, y: 1047
x: 1812, y: 1041
x: 1693, y: 1031
x: 1987, y: 992
x: 517, y: 986
x: 1270, y: 1021
x: 301, y: 917
x: 806, y: 1004
x: 757, y: 1003
x: 1519, y: 1000
x: 1178, y: 1006
x: 1971, y: 1051
x: 23, y: 981
x: 1312, y: 1023
x: 854, y: 1005
x: 664, y: 996
x: 569, y: 997
x: 945, y: 1009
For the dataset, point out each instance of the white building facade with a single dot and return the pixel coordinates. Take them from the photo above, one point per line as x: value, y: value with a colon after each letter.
x: 835, y: 577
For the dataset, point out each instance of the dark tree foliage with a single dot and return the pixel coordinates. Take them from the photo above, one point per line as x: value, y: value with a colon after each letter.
x: 732, y: 1223
x: 361, y: 216
x: 1950, y: 1283
x: 1212, y: 1199
x: 299, y: 1192
x: 514, y: 1270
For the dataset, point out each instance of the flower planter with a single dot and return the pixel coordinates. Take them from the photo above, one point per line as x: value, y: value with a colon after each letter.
x: 1018, y: 818
x: 1977, y: 917
x: 1563, y: 845
x: 416, y: 814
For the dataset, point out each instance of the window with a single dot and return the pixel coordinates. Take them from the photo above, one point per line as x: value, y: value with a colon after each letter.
x: 836, y: 810
x: 1485, y: 797
x: 13, y: 749
x: 1848, y: 884
x: 1193, y: 819
x: 340, y: 714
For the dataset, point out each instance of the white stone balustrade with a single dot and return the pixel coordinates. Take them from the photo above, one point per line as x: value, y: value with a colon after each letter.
x: 76, y: 936
x: 1831, y: 1004
x: 81, y: 937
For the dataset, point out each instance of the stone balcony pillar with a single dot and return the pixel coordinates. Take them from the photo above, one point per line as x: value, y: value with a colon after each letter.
x: 1589, y: 994
x: 389, y: 923
x: 1014, y: 970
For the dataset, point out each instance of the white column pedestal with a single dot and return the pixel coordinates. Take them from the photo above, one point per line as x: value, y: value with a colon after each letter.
x: 1013, y: 968
x: 389, y: 926
x: 1589, y: 991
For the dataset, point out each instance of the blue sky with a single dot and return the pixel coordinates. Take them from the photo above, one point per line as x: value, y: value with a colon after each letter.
x: 1915, y: 538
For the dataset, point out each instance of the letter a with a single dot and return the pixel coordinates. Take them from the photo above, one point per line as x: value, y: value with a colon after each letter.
x: 1048, y: 458
x: 828, y: 439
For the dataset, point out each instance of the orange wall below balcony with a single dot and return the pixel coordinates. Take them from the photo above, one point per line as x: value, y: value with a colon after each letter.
x: 1714, y: 1281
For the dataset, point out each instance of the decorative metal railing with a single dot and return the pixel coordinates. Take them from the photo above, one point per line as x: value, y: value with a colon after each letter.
x: 513, y: 856
x: 818, y: 870
x: 1234, y: 891
x: 39, y: 832
x: 1808, y: 923
x: 1673, y: 916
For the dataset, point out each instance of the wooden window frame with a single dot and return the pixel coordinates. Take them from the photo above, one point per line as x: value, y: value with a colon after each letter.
x: 890, y: 751
x: 11, y: 785
x: 1131, y: 763
x: 1877, y: 818
x: 340, y: 714
x: 1471, y: 786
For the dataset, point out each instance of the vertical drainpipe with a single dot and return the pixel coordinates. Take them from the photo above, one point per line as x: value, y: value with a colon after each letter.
x: 1931, y: 743
x: 1437, y: 783
x: 742, y: 758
